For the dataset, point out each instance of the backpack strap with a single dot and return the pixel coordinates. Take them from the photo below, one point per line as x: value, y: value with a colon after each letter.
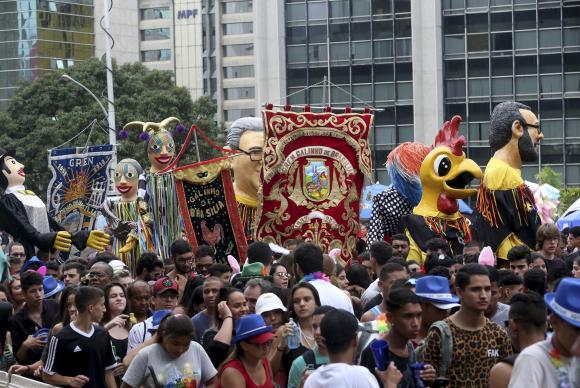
x: 412, y: 355
x: 446, y: 347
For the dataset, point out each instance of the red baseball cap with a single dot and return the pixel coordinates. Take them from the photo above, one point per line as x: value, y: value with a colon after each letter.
x: 164, y: 284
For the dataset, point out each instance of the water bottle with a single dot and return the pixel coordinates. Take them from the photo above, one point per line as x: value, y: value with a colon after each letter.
x: 293, y: 339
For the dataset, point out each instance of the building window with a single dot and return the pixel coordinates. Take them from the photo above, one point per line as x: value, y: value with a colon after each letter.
x: 237, y: 6
x: 155, y: 55
x: 239, y: 71
x: 339, y: 8
x: 295, y: 12
x: 155, y: 34
x: 237, y: 50
x: 155, y: 13
x: 234, y: 114
x: 317, y: 10
x: 297, y: 35
x: 239, y: 93
x: 339, y: 32
x: 238, y: 28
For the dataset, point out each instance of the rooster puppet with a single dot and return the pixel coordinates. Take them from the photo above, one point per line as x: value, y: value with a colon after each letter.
x: 445, y: 173
x: 404, y: 193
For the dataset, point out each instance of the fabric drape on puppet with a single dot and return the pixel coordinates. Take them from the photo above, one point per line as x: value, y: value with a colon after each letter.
x: 209, y: 209
x: 313, y: 172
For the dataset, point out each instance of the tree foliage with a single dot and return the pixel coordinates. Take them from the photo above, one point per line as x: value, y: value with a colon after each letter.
x: 549, y: 176
x: 50, y: 111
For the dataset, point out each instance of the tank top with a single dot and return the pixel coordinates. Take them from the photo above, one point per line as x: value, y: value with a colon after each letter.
x: 237, y: 365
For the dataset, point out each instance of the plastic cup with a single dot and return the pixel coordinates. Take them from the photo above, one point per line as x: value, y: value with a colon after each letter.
x: 380, y: 350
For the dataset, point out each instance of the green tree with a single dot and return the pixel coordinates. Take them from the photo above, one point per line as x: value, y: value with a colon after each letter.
x: 568, y: 197
x: 48, y: 112
x: 549, y: 176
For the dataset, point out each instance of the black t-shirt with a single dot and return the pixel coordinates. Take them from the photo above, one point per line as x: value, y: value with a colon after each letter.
x: 72, y: 352
x: 402, y: 364
x: 21, y: 326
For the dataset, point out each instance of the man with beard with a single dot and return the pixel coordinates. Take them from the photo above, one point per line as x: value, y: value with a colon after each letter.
x: 506, y: 210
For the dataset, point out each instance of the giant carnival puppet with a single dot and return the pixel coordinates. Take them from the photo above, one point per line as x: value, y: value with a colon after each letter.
x: 24, y: 215
x: 156, y: 185
x: 404, y: 193
x: 445, y: 172
x: 506, y: 210
x: 128, y: 218
x: 246, y: 135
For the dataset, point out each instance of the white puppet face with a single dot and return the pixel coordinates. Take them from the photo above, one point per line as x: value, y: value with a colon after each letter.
x: 13, y: 171
x: 127, y: 180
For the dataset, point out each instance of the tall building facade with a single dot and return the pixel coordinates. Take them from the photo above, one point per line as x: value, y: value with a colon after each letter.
x: 525, y: 50
x: 243, y: 55
x: 38, y: 36
x: 421, y: 62
x: 365, y: 50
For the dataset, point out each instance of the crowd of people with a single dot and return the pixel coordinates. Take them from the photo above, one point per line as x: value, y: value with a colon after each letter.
x: 299, y: 318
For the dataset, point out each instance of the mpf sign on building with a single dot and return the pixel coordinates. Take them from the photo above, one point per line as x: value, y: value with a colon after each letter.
x: 186, y: 13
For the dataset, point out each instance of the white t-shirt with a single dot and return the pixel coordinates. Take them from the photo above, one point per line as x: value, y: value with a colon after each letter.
x: 139, y: 333
x: 372, y: 291
x: 341, y: 375
x: 533, y: 368
x: 194, y: 364
x: 330, y: 295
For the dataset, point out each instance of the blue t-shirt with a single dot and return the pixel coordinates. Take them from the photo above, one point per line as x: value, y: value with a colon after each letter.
x: 201, y: 321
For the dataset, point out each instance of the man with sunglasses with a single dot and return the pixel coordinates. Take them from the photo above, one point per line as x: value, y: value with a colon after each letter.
x: 16, y: 257
x: 507, y: 216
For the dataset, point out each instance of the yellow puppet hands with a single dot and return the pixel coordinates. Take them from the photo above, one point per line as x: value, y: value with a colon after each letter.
x: 62, y: 241
x: 98, y: 240
x: 129, y: 245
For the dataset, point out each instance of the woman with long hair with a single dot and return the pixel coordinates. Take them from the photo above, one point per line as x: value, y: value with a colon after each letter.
x: 248, y: 365
x: 175, y: 359
x: 280, y: 275
x: 116, y: 321
x: 15, y: 294
x: 303, y: 301
x: 231, y: 306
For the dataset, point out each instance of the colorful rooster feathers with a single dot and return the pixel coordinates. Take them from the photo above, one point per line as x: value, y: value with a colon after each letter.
x: 448, y: 135
x: 403, y: 165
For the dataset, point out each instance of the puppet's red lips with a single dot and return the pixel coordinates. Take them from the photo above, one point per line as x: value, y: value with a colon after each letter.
x: 124, y: 189
x: 21, y: 172
x: 163, y: 159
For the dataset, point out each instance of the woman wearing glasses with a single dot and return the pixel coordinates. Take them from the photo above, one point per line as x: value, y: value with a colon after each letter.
x: 280, y: 275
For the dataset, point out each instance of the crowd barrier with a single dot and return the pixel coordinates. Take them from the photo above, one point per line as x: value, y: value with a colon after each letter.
x: 16, y: 381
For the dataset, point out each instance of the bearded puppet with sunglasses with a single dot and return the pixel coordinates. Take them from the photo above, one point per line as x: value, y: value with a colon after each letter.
x: 506, y: 209
x: 246, y: 135
x: 23, y: 215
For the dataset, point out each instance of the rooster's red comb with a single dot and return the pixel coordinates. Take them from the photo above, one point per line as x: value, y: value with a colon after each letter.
x: 448, y: 135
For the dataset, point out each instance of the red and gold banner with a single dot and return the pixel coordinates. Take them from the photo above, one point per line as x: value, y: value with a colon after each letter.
x: 312, y: 177
x: 209, y: 209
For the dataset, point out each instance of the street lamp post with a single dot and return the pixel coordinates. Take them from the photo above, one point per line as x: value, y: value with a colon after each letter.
x: 69, y: 78
x: 112, y: 134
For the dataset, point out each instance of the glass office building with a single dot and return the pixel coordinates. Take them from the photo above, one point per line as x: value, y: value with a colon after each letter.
x: 40, y: 35
x: 523, y: 50
x: 364, y: 48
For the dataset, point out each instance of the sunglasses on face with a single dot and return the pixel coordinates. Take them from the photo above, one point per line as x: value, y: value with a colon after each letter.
x: 283, y: 275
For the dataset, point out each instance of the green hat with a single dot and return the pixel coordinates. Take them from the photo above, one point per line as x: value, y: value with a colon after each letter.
x: 253, y: 269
